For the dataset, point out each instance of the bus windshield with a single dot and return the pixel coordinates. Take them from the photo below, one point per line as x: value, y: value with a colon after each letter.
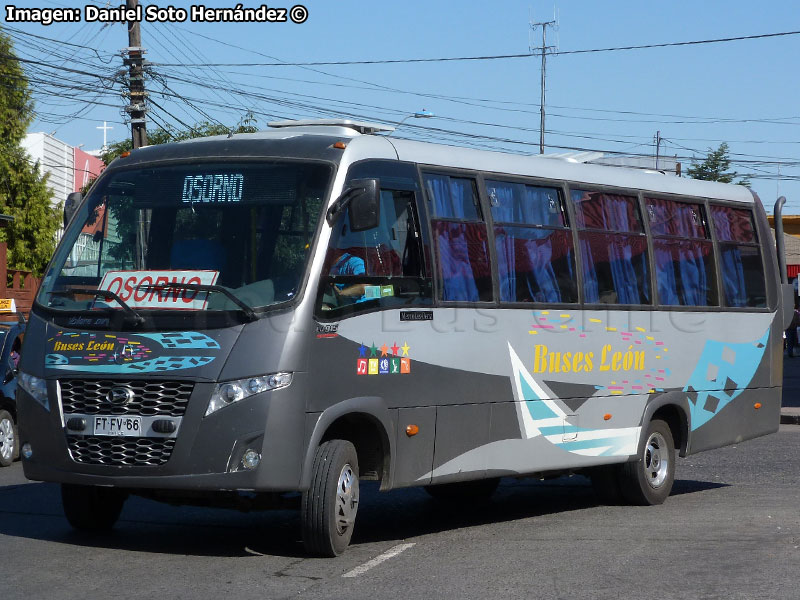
x: 224, y: 235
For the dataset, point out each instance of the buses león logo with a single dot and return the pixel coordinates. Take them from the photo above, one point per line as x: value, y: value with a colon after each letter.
x: 386, y: 360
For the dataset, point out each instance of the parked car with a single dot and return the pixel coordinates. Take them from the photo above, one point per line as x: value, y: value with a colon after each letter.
x: 11, y: 341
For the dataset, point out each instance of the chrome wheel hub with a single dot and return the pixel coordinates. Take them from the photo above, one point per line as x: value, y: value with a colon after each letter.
x: 656, y: 460
x: 6, y: 438
x: 346, y: 499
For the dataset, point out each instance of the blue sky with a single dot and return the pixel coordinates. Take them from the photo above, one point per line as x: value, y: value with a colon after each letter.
x: 696, y: 96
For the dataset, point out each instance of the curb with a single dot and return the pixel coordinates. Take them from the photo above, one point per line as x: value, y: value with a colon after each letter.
x: 790, y: 419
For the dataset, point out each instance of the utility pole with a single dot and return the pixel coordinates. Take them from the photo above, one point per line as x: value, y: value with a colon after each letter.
x: 134, y: 61
x: 543, y: 49
x: 658, y: 145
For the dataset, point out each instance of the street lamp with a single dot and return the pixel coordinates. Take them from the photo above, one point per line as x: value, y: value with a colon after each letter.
x: 422, y: 114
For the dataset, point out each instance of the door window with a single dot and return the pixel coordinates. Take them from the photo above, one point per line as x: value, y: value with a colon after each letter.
x: 382, y: 267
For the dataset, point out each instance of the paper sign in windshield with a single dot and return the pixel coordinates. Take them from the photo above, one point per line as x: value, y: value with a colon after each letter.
x: 135, y: 288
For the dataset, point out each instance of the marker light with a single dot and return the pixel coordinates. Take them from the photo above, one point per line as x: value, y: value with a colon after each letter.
x: 412, y: 430
x: 228, y: 392
x: 36, y: 387
x: 607, y: 417
x: 757, y: 405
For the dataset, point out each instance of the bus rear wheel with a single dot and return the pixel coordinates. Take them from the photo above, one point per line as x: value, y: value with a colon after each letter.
x: 91, y: 508
x: 329, y: 507
x: 649, y: 479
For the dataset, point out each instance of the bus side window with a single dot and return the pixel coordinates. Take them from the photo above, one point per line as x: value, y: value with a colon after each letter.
x: 741, y: 265
x: 684, y: 253
x: 378, y: 268
x: 613, y: 248
x: 461, y: 240
x: 535, y: 254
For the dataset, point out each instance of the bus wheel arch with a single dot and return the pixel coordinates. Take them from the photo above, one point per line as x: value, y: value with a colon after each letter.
x: 370, y: 441
x: 366, y: 423
x: 673, y: 409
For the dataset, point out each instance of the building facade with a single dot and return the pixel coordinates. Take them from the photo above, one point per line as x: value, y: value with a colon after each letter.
x: 69, y: 168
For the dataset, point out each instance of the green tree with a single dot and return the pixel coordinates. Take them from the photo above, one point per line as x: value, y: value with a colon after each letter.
x: 164, y: 136
x: 123, y: 212
x: 715, y: 167
x: 31, y: 238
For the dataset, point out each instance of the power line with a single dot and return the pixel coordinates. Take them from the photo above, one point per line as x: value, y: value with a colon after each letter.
x: 477, y: 58
x: 308, y: 103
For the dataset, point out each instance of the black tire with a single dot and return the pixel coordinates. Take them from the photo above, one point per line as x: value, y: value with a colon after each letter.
x: 91, y: 508
x: 475, y: 491
x: 9, y: 439
x: 648, y: 480
x: 329, y: 507
x: 605, y: 483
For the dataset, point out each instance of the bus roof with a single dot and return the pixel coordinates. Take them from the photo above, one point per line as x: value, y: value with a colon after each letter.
x: 563, y: 169
x: 314, y: 139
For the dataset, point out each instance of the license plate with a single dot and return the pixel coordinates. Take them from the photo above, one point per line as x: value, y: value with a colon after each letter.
x: 124, y: 426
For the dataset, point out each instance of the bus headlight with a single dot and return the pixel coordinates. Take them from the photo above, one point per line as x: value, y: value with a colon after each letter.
x: 228, y: 392
x: 36, y: 387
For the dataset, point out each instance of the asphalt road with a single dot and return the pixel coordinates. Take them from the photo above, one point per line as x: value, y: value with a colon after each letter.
x: 730, y: 530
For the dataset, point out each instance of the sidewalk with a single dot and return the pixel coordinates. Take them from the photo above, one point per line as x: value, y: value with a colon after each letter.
x: 790, y: 408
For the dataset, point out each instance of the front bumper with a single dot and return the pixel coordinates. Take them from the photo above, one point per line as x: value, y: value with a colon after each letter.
x: 207, y: 451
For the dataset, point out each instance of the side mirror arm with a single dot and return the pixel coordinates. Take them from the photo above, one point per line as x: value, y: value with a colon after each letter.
x: 340, y: 204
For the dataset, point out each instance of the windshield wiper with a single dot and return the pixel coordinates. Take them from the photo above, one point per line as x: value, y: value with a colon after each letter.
x: 201, y: 287
x: 136, y: 317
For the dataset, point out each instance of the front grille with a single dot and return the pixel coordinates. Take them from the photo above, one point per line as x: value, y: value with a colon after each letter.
x: 150, y: 398
x: 129, y: 452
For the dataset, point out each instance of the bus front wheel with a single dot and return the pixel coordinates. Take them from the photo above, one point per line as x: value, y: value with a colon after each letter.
x: 329, y: 506
x: 91, y: 508
x: 649, y: 479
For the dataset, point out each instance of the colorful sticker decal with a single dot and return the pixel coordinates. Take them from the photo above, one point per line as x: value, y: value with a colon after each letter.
x: 183, y: 339
x: 129, y: 353
x: 167, y: 363
x: 383, y: 360
x: 722, y: 373
x: 541, y: 415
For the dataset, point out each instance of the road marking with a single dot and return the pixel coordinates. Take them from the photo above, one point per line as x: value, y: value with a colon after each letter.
x: 390, y: 553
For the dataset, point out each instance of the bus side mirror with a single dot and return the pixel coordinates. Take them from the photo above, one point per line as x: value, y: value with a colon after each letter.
x: 362, y: 201
x: 71, y: 205
x: 365, y: 206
